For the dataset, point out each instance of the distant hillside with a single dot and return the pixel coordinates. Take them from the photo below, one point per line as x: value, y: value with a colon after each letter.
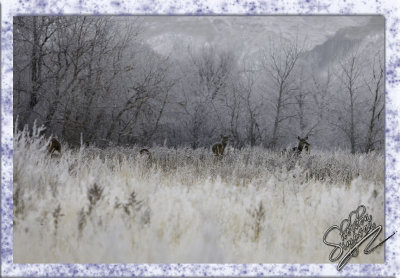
x: 327, y: 37
x: 366, y: 40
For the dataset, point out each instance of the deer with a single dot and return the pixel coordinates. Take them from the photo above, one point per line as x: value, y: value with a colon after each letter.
x: 53, y: 146
x: 302, y: 146
x: 145, y: 153
x: 218, y: 149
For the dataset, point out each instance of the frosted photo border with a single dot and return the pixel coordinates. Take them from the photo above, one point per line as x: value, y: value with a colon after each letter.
x: 388, y: 8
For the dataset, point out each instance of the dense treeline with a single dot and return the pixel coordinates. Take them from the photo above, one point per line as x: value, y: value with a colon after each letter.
x: 95, y: 79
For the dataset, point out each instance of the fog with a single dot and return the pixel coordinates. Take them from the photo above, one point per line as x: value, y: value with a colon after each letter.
x: 185, y: 81
x: 136, y: 105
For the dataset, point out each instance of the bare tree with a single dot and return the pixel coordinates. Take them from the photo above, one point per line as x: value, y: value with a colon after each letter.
x: 321, y: 87
x: 79, y: 69
x: 376, y: 107
x: 233, y: 103
x: 279, y: 62
x: 310, y: 100
x: 350, y: 79
x: 31, y: 35
x: 251, y: 105
x: 213, y: 69
x: 320, y: 107
x: 204, y: 82
x: 145, y: 88
x: 102, y: 79
x: 301, y: 96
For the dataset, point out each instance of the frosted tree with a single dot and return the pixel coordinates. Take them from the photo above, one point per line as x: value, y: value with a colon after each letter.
x: 140, y: 92
x: 321, y: 85
x: 234, y: 109
x: 252, y: 106
x: 205, y: 80
x: 279, y: 62
x: 349, y: 77
x: 375, y: 85
x: 31, y: 37
x: 302, y: 99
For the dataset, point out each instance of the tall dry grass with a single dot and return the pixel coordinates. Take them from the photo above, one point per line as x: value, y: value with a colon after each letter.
x: 183, y: 205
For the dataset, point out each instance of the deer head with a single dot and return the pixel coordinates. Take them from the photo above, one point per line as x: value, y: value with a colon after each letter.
x: 303, y: 144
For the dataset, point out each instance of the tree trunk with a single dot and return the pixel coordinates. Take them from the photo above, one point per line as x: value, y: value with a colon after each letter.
x: 34, y: 65
x: 352, y: 132
x: 277, y: 118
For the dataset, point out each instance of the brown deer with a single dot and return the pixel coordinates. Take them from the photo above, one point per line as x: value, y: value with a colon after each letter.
x: 218, y: 149
x: 54, y: 145
x: 145, y: 153
x: 302, y: 146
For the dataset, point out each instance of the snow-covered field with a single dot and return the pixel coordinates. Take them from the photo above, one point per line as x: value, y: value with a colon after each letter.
x: 184, y: 206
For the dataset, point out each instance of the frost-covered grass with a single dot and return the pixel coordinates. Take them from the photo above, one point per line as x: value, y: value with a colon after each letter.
x: 253, y: 206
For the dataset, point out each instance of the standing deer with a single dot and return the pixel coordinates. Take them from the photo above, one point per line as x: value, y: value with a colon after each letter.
x: 303, y: 145
x: 218, y: 149
x: 145, y: 153
x: 54, y: 145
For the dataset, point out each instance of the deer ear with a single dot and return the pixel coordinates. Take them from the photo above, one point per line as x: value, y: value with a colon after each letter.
x: 298, y: 137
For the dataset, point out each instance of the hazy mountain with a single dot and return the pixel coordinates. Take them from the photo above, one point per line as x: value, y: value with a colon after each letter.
x: 327, y: 38
x: 365, y: 39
